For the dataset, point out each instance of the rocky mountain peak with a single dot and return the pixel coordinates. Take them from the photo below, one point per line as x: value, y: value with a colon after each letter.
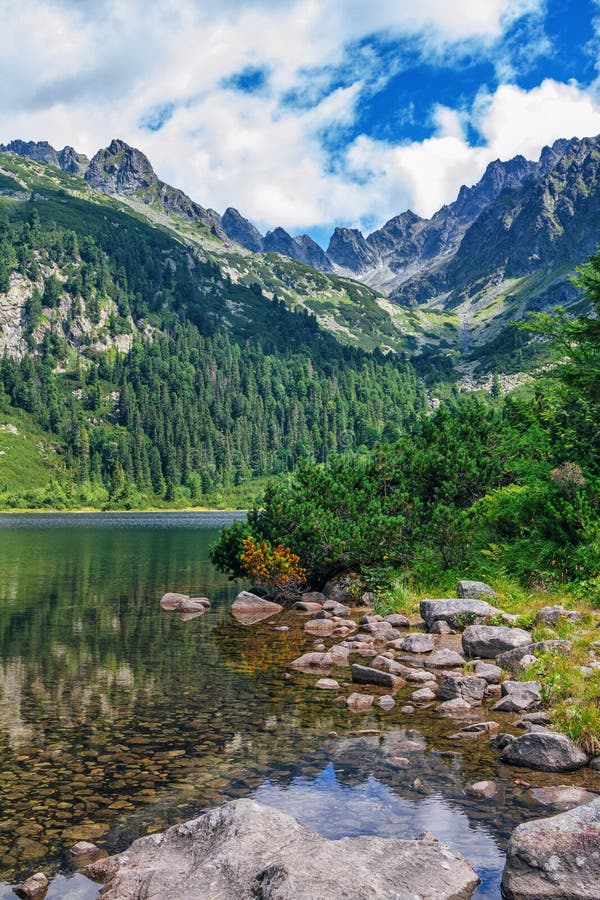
x: 240, y: 230
x: 120, y: 169
x: 349, y: 249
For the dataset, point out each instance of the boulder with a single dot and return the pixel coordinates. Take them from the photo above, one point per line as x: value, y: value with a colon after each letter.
x: 336, y: 609
x: 416, y: 643
x: 33, y: 888
x: 556, y: 857
x: 483, y: 790
x: 380, y: 629
x: 552, y: 615
x: 544, y: 751
x: 385, y: 664
x: 458, y: 613
x: 339, y: 655
x: 315, y: 663
x: 248, y: 609
x: 327, y: 684
x: 512, y: 659
x: 172, y: 600
x: 423, y: 695
x: 475, y: 730
x: 420, y: 676
x: 245, y: 849
x: 360, y: 702
x: 307, y: 606
x: 518, y: 696
x: 346, y: 588
x: 468, y: 687
x: 84, y: 852
x: 194, y: 604
x: 386, y: 702
x: 534, y: 718
x: 488, y: 641
x: 562, y: 796
x: 367, y: 675
x: 456, y: 705
x: 313, y: 597
x: 490, y: 672
x: 475, y: 590
x: 444, y: 659
x: 396, y: 620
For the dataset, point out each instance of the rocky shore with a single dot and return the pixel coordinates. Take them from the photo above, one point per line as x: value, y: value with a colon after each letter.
x: 460, y: 658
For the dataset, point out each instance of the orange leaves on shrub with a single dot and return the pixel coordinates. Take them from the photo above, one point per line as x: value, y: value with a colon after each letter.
x: 276, y: 570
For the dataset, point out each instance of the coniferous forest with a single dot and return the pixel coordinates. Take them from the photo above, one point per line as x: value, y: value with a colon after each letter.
x: 196, y: 404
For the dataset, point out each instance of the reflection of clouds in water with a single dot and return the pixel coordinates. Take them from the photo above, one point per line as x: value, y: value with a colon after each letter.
x: 372, y: 808
x: 75, y: 887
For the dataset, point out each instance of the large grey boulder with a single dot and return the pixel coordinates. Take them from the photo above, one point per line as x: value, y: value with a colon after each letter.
x: 511, y: 659
x: 346, y: 588
x: 517, y: 696
x: 488, y: 641
x: 552, y: 615
x: 245, y: 850
x: 468, y: 687
x: 475, y: 590
x: 557, y: 857
x: 249, y: 608
x: 544, y: 751
x: 491, y: 673
x: 457, y: 613
x: 444, y: 659
x: 415, y: 643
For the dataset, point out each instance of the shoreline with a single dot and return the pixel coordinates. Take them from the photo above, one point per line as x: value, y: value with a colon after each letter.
x: 93, y: 509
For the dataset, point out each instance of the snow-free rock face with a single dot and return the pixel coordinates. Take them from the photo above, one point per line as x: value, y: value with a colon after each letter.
x: 241, y: 230
x: 121, y: 169
x: 244, y: 850
x: 557, y: 857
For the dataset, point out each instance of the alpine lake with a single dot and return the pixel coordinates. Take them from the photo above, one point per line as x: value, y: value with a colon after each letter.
x: 118, y: 718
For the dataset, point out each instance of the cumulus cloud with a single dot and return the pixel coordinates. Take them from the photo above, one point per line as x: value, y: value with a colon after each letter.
x: 240, y: 102
x: 510, y: 121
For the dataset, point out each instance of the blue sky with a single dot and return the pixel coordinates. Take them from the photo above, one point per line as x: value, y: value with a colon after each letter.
x: 308, y: 113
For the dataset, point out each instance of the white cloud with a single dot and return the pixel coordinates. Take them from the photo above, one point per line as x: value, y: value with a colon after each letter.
x: 82, y: 73
x: 510, y: 121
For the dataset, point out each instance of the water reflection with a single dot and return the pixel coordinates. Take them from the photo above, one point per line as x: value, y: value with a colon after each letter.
x: 117, y: 718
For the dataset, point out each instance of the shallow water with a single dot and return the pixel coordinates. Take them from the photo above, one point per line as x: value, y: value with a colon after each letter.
x: 118, y: 718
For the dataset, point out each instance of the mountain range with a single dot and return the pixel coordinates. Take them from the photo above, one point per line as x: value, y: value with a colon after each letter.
x: 448, y: 285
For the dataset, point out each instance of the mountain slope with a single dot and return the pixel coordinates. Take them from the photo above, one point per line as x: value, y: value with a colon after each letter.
x: 160, y: 369
x: 447, y: 287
